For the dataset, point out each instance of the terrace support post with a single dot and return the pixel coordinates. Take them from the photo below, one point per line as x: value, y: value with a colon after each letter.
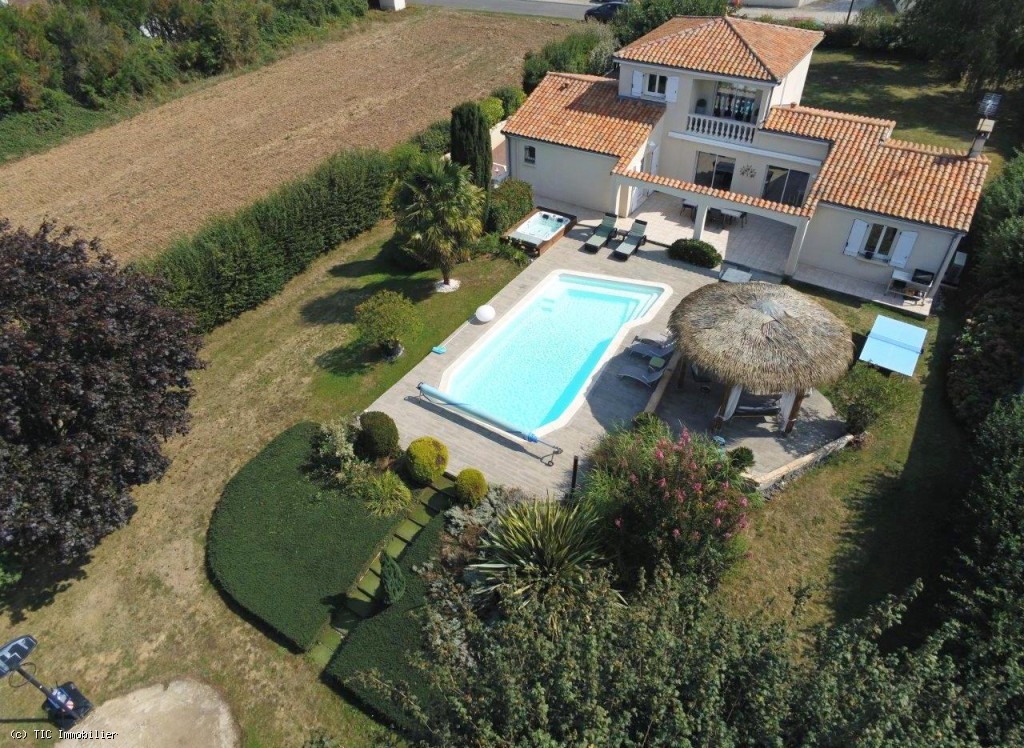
x: 719, y: 419
x: 794, y: 412
x: 793, y: 259
x: 699, y: 217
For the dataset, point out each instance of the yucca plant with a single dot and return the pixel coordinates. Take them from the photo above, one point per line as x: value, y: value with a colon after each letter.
x: 539, y: 548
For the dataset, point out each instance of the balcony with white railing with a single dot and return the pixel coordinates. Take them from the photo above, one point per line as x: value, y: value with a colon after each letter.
x: 720, y: 128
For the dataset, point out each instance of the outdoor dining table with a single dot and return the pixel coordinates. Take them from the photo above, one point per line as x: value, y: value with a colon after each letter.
x: 732, y: 215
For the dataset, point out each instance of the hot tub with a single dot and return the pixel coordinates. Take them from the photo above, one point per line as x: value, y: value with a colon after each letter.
x: 540, y: 229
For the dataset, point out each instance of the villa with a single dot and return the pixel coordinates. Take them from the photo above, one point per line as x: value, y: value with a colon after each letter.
x: 703, y: 131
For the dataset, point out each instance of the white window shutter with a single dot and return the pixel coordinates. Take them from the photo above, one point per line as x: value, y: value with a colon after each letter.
x: 857, y: 232
x: 638, y: 83
x: 904, y: 246
x: 672, y: 89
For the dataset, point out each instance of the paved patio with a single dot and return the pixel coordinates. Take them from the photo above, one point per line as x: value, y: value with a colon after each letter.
x: 609, y: 401
x: 686, y: 404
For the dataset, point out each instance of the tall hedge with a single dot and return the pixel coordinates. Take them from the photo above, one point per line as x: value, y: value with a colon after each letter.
x: 509, y: 204
x: 587, y: 51
x: 233, y: 263
x: 471, y: 142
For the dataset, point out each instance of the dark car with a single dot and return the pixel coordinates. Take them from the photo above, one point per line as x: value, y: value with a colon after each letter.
x: 604, y: 12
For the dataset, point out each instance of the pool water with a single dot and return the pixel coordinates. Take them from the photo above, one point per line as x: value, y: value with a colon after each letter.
x: 532, y: 370
x: 541, y: 226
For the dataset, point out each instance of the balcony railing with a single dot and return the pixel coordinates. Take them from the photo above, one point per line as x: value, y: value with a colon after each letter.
x: 723, y: 129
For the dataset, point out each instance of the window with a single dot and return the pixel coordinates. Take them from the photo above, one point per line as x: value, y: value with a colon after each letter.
x: 736, y: 102
x: 786, y: 186
x: 656, y: 84
x: 879, y: 243
x: 714, y: 171
x: 530, y: 154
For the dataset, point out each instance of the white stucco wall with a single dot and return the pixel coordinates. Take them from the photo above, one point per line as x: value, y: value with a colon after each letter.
x: 679, y: 160
x: 792, y: 86
x: 566, y: 174
x: 830, y: 228
x: 692, y: 87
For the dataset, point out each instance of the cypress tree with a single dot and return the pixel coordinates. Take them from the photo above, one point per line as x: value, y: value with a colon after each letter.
x: 471, y: 142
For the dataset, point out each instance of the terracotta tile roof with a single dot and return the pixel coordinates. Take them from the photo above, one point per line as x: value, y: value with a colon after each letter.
x: 723, y: 45
x: 584, y: 111
x: 866, y: 170
x: 733, y: 197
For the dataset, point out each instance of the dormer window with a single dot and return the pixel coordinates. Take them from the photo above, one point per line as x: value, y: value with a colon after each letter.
x: 656, y: 85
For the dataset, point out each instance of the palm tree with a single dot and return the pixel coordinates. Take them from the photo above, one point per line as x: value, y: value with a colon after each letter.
x: 437, y: 208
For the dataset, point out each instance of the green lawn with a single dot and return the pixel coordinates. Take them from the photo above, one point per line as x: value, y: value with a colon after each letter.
x: 927, y: 109
x: 871, y: 520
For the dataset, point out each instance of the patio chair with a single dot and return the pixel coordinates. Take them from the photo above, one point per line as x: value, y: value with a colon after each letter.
x: 637, y: 235
x: 657, y: 338
x: 652, y: 351
x: 647, y: 375
x: 760, y: 408
x: 601, y: 234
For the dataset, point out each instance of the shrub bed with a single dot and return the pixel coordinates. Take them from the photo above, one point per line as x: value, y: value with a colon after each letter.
x: 695, y: 252
x: 282, y: 547
x: 236, y: 262
x: 435, y: 139
x: 388, y: 640
x: 509, y: 203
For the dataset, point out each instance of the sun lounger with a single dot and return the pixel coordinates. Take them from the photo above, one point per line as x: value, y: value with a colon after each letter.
x: 643, y: 374
x: 657, y: 338
x: 635, y: 237
x: 601, y: 234
x: 652, y: 351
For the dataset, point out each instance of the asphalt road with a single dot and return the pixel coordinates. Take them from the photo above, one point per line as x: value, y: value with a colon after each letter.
x: 522, y: 7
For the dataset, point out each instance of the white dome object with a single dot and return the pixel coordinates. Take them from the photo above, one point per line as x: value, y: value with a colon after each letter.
x: 485, y: 313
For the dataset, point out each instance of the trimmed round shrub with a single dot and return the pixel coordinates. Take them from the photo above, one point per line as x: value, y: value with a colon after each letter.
x: 392, y: 579
x: 425, y: 459
x: 695, y: 252
x: 386, y: 494
x: 493, y: 110
x: 377, y: 437
x: 470, y: 486
x: 741, y: 457
x: 511, y: 98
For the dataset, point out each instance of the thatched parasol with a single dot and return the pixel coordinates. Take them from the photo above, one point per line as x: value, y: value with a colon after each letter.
x: 764, y: 337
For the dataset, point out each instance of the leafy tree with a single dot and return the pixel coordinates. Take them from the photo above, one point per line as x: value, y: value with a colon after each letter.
x: 1002, y: 198
x: 979, y: 40
x: 94, y: 375
x: 471, y: 141
x: 1002, y: 258
x: 386, y: 320
x: 437, y: 209
x: 642, y: 16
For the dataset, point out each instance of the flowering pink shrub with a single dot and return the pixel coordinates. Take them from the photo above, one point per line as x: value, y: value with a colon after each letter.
x: 666, y: 498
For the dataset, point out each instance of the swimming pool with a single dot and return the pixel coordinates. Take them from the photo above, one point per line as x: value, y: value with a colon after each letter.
x: 533, y: 368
